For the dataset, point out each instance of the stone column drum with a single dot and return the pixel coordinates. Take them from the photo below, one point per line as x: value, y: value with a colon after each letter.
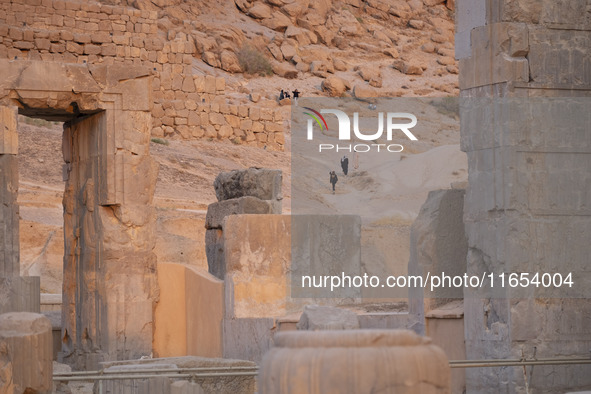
x: 25, y: 353
x: 357, y: 361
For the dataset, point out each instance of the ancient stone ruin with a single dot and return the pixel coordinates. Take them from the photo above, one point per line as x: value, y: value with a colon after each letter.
x: 256, y: 191
x: 386, y: 361
x: 183, y: 103
x: 109, y: 265
x: 108, y: 74
x: 519, y: 213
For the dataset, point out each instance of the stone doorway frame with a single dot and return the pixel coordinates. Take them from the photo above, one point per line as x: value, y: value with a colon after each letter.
x: 110, y: 285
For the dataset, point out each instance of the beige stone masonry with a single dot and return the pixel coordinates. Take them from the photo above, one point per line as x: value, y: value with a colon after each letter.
x: 76, y: 32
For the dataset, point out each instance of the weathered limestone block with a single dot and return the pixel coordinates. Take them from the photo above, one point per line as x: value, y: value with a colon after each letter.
x: 437, y: 244
x: 498, y: 55
x: 31, y: 76
x: 317, y: 317
x: 186, y: 296
x: 154, y: 385
x: 257, y: 256
x: 27, y: 343
x: 256, y: 182
x: 260, y: 11
x: 560, y: 59
x: 324, y: 245
x: 562, y: 14
x: 220, y: 85
x: 216, y: 212
x: 359, y: 361
x: 137, y: 124
x: 216, y: 384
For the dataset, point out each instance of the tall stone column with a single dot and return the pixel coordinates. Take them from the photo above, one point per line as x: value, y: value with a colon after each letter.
x: 527, y: 207
x: 17, y: 294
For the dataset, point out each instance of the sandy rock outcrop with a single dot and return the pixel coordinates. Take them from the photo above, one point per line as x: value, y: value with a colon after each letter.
x: 335, y: 86
x: 345, y: 23
x: 277, y: 21
x: 288, y: 51
x: 260, y: 11
x: 285, y: 70
x: 410, y: 67
x: 229, y: 62
x: 371, y: 74
x: 364, y: 92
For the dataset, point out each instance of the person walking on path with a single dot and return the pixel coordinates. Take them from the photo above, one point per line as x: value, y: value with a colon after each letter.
x: 345, y: 165
x: 296, y: 94
x: 333, y: 180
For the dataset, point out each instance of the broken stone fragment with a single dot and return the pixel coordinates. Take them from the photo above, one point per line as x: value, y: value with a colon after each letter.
x: 256, y: 182
x: 409, y: 67
x: 317, y: 317
x: 216, y: 212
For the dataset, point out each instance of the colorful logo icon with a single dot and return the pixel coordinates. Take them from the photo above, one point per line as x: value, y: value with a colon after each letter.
x: 315, y: 116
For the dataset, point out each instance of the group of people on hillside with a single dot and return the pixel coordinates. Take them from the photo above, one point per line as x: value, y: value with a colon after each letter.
x: 285, y: 94
x: 345, y: 167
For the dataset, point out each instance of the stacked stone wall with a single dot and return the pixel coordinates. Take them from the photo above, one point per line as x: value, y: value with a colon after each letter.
x: 186, y: 105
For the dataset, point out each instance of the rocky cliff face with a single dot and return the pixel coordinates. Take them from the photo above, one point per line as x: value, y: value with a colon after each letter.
x: 303, y: 38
